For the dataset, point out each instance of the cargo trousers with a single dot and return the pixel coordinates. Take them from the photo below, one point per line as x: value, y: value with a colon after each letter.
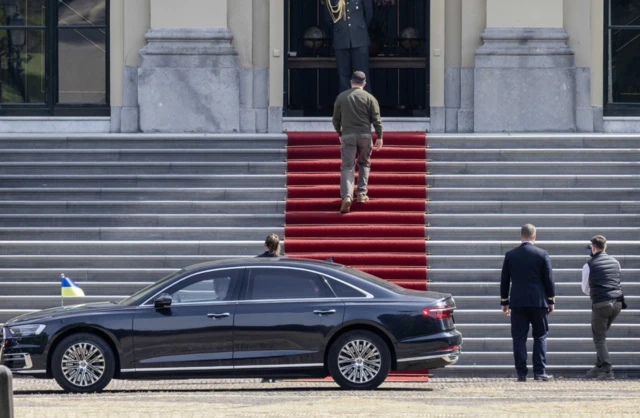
x: 362, y: 144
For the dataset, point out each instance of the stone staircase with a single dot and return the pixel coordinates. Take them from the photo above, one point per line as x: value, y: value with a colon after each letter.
x: 483, y: 188
x: 116, y: 212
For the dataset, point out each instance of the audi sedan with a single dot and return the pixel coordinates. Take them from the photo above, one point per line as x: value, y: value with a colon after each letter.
x: 245, y: 318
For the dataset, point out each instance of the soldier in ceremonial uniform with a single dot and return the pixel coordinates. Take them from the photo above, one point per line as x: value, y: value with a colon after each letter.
x: 350, y: 21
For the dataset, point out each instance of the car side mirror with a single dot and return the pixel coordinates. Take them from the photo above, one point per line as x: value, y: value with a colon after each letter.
x: 162, y: 301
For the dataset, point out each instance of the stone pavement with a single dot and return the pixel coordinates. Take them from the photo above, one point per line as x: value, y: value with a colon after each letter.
x: 442, y: 397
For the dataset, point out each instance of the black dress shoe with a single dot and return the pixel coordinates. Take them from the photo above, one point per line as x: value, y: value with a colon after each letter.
x: 543, y: 377
x: 522, y: 378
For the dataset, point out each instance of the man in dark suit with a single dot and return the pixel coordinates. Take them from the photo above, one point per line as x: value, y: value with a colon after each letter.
x: 528, y: 296
x: 350, y: 21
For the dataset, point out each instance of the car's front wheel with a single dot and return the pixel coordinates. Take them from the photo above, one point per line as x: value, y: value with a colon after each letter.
x: 359, y: 360
x: 83, y: 363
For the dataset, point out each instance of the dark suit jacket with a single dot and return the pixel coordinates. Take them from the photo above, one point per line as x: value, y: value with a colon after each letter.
x: 354, y: 31
x: 527, y: 272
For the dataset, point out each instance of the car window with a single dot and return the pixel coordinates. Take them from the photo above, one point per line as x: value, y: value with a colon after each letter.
x: 212, y: 286
x: 150, y: 290
x: 344, y: 290
x: 276, y: 283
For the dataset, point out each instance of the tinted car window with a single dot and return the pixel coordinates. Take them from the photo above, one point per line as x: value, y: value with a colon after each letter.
x: 270, y: 284
x: 344, y: 291
x: 373, y: 279
x: 150, y: 290
x: 212, y: 286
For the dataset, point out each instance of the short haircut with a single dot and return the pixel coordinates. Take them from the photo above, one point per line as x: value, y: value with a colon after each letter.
x: 599, y: 242
x: 358, y: 77
x: 528, y: 231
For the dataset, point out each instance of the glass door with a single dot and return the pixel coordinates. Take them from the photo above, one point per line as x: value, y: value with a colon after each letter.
x: 398, y: 58
x: 54, y: 58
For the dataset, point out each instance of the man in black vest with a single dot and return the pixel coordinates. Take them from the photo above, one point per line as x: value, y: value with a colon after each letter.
x: 528, y: 296
x: 601, y: 281
x: 350, y: 21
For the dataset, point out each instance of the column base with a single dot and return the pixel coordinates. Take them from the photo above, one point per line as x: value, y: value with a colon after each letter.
x: 188, y: 81
x: 525, y: 81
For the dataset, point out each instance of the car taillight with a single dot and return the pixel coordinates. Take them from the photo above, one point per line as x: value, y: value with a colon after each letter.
x: 450, y: 348
x: 439, y: 312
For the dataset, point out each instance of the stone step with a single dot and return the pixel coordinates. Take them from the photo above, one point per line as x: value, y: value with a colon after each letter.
x: 535, y: 206
x: 561, y: 359
x: 527, y: 167
x: 583, y: 330
x: 121, y: 289
x: 554, y: 344
x: 141, y: 141
x: 238, y: 229
x: 631, y: 285
x: 144, y: 194
x: 250, y: 153
x: 561, y: 316
x: 209, y: 248
x: 105, y: 276
x: 495, y: 261
x: 533, y: 154
x: 497, y: 247
x: 45, y: 222
x: 573, y: 220
x: 462, y: 276
x: 44, y: 302
x: 141, y: 168
x: 563, y: 302
x: 533, y: 194
x: 143, y: 181
x: 543, y: 233
x: 65, y: 263
x: 540, y: 141
x: 141, y: 247
x: 135, y: 208
x: 532, y: 181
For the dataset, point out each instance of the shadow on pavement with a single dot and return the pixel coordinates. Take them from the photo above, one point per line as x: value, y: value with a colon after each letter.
x: 234, y: 390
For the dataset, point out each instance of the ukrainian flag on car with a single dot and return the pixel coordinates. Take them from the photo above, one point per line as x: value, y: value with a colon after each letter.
x: 69, y: 288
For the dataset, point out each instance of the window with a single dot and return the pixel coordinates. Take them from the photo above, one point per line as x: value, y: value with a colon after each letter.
x: 212, y: 286
x: 276, y: 283
x: 345, y: 291
x: 54, y: 57
x: 622, y: 56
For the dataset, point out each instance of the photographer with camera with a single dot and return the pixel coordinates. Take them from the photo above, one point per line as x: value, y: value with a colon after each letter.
x: 601, y: 281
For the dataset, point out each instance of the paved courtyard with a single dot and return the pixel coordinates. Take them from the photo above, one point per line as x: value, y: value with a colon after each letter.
x: 249, y: 398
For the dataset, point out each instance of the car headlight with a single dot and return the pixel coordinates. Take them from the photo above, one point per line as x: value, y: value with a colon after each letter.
x: 26, y: 330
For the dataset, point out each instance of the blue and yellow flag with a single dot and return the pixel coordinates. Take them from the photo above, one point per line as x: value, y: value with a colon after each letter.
x: 69, y: 288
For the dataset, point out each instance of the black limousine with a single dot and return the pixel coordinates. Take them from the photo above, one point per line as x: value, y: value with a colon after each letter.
x: 243, y: 318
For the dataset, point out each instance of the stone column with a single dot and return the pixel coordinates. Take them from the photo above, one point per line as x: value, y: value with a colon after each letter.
x: 452, y: 61
x: 474, y: 21
x: 437, y: 66
x: 188, y: 76
x: 525, y: 75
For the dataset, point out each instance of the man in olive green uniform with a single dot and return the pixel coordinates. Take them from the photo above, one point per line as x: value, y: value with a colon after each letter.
x: 354, y: 112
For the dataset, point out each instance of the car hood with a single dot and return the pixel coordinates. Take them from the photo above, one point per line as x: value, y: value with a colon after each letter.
x: 64, y: 311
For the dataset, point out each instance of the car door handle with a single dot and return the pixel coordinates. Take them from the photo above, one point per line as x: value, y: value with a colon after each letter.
x: 329, y: 312
x: 218, y: 315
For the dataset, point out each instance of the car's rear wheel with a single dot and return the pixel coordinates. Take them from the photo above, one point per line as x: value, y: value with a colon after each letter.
x: 83, y: 363
x: 359, y: 360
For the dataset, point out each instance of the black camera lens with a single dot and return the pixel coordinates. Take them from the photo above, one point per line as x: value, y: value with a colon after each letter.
x: 588, y: 250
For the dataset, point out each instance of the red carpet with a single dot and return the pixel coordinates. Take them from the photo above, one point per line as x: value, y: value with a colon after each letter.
x: 384, y: 237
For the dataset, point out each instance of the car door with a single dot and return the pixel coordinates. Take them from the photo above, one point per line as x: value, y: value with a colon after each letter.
x: 193, y: 333
x: 284, y: 319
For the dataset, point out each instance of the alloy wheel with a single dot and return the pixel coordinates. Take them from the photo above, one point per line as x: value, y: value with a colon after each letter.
x: 359, y: 361
x: 83, y: 364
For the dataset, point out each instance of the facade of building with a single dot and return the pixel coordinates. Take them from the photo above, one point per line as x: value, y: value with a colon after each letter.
x: 257, y: 65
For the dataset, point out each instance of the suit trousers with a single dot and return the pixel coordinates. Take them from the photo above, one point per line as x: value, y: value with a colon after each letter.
x: 602, y: 316
x: 363, y: 146
x: 350, y: 60
x: 521, y: 318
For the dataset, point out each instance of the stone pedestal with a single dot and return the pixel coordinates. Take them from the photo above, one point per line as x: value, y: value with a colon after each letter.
x: 524, y: 81
x: 188, y: 81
